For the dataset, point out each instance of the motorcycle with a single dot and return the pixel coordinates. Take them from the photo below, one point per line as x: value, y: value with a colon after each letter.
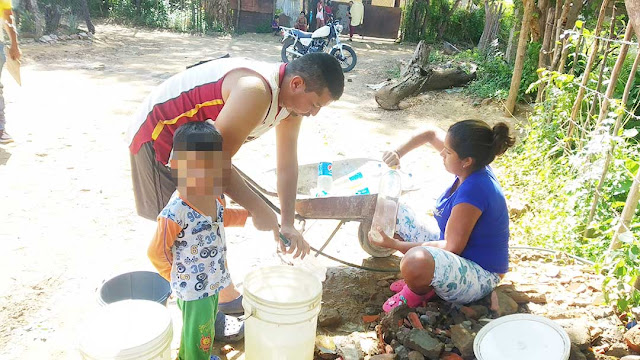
x: 297, y: 43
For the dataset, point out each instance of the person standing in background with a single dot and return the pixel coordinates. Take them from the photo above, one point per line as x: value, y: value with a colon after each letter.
x: 14, y: 53
x: 356, y: 16
x: 320, y: 14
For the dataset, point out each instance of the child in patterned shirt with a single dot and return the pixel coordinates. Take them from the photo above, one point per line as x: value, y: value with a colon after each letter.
x: 189, y: 248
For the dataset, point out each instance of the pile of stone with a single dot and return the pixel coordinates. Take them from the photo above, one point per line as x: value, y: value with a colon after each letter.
x: 563, y: 291
x: 53, y: 38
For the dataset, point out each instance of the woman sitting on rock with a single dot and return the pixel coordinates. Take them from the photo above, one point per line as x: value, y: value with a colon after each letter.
x: 466, y: 257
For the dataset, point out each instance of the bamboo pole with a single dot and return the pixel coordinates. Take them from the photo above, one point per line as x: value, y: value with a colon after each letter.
x: 627, y: 212
x: 603, y: 65
x: 520, y: 55
x: 575, y: 55
x: 603, y: 113
x: 587, y: 70
x: 613, y: 79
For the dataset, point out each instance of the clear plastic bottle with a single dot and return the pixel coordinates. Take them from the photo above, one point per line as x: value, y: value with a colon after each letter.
x: 386, y: 212
x: 325, y: 178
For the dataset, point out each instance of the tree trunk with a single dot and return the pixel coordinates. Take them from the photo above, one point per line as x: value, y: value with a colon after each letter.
x: 84, y: 11
x: 543, y: 57
x: 509, y: 54
x: 493, y: 13
x: 445, y: 21
x: 419, y: 77
x: 520, y: 55
x: 603, y: 65
x: 32, y: 7
x: 633, y: 9
x: 543, y: 10
x: 557, y: 51
x: 52, y: 16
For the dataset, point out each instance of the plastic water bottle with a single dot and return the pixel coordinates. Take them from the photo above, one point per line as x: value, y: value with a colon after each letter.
x: 325, y: 178
x: 387, y: 205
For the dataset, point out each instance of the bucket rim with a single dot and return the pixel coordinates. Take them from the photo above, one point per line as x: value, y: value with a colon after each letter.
x: 279, y: 305
x: 113, y: 275
x: 519, y: 317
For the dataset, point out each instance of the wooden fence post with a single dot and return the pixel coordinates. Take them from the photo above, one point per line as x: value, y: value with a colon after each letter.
x: 603, y: 113
x: 603, y: 65
x: 520, y: 55
x: 585, y: 76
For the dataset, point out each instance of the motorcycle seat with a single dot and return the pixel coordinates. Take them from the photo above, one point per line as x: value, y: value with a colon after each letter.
x: 302, y: 34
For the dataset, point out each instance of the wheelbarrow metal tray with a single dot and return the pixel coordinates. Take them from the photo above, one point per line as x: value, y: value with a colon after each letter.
x: 355, y: 207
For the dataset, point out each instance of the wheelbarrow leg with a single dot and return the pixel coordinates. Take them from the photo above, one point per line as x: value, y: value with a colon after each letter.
x: 330, y: 237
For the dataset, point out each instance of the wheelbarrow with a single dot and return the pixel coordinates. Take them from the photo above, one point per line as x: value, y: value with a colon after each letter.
x: 346, y: 208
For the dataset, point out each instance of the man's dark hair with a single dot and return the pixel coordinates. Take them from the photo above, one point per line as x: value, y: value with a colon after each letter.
x: 197, y: 136
x: 319, y: 71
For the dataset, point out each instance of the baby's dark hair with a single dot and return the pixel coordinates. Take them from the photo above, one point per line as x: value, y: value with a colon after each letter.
x: 477, y: 140
x: 197, y: 136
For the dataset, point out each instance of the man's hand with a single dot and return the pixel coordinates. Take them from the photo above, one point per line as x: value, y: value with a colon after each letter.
x: 298, y: 244
x: 14, y: 52
x: 391, y: 158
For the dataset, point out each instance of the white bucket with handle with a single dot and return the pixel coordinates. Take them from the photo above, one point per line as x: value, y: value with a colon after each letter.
x: 128, y: 330
x: 281, y: 306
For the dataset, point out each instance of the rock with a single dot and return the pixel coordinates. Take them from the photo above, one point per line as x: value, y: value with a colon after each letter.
x: 402, y: 352
x: 632, y: 338
x: 349, y: 351
x: 390, y: 320
x: 415, y: 355
x: 601, y: 312
x: 75, y: 37
x: 451, y: 356
x: 421, y: 340
x: 371, y: 310
x: 578, y: 331
x: 481, y: 311
x: 469, y: 312
x: 383, y: 357
x: 617, y: 350
x: 53, y: 36
x: 463, y: 339
x: 382, y: 283
x: 486, y: 101
x: 506, y: 305
x: 83, y: 35
x: 45, y: 39
x: 429, y: 318
x: 401, y: 335
x: 576, y: 354
x: 329, y: 318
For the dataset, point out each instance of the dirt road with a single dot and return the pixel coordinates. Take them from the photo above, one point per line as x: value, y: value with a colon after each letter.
x: 68, y: 219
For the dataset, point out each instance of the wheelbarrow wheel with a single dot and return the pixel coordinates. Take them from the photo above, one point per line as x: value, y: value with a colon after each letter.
x: 363, y: 238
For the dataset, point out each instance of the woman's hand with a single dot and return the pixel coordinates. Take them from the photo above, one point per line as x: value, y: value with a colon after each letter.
x: 391, y: 158
x: 378, y: 238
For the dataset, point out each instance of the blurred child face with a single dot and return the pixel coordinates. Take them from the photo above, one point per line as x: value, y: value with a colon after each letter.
x: 201, y: 173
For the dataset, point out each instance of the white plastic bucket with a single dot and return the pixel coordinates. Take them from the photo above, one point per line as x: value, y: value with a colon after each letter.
x: 282, y: 305
x: 128, y: 330
x: 522, y: 337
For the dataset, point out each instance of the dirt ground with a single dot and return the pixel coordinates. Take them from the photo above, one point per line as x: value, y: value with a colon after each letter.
x: 68, y: 218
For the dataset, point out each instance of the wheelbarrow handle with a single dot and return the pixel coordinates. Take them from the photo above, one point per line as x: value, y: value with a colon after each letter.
x: 284, y: 240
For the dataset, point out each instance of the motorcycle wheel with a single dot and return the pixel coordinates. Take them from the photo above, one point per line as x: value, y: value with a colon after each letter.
x: 347, y: 58
x: 286, y: 57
